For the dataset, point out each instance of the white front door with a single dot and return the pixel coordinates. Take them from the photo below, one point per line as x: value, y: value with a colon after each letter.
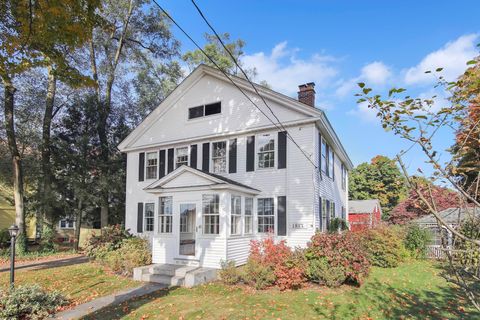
x: 188, y: 226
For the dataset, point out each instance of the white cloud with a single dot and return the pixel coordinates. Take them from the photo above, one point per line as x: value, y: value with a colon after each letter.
x: 364, y: 112
x: 376, y: 73
x: 284, y: 71
x: 451, y: 57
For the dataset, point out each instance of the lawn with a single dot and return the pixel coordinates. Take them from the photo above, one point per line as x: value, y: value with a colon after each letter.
x: 80, y: 283
x: 414, y: 290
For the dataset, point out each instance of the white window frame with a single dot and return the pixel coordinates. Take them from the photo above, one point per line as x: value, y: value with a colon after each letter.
x: 331, y: 163
x: 69, y: 224
x: 145, y: 217
x: 332, y: 210
x: 235, y: 215
x: 324, y: 155
x: 148, y: 166
x: 215, y: 213
x: 344, y: 177
x: 261, y: 225
x: 212, y: 158
x: 248, y: 217
x: 165, y: 217
x: 258, y: 152
x: 176, y: 156
x: 203, y: 111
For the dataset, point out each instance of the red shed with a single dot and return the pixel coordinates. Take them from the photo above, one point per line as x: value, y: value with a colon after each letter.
x: 364, y: 214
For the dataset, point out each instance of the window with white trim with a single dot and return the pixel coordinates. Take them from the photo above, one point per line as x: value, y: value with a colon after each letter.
x: 266, y: 151
x: 332, y: 210
x: 266, y: 215
x: 182, y: 157
x: 331, y: 163
x: 152, y: 165
x: 211, y: 214
x: 66, y: 223
x: 219, y: 156
x: 165, y: 215
x: 149, y: 217
x: 324, y: 156
x: 205, y: 110
x: 236, y: 215
x: 248, y: 225
x: 344, y: 177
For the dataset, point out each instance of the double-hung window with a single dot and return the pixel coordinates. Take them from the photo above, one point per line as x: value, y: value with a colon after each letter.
x: 165, y: 215
x: 67, y: 223
x: 324, y: 214
x: 248, y: 215
x: 344, y: 177
x: 236, y: 215
x: 149, y: 216
x: 332, y: 210
x: 331, y: 163
x: 324, y: 156
x: 266, y: 151
x: 266, y: 215
x: 211, y: 214
x: 152, y: 165
x: 219, y: 156
x: 182, y: 157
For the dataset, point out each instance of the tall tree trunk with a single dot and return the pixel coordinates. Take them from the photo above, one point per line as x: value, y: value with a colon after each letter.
x: 9, y: 95
x: 78, y: 224
x: 46, y: 149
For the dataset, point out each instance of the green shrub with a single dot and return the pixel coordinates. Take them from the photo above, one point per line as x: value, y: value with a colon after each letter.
x: 468, y: 254
x: 4, y: 238
x: 342, y: 253
x: 47, y: 242
x: 21, y: 246
x: 29, y: 302
x: 258, y: 275
x: 229, y: 274
x: 337, y: 225
x: 416, y: 241
x: 133, y: 252
x: 384, y: 246
x: 319, y: 270
x: 111, y: 237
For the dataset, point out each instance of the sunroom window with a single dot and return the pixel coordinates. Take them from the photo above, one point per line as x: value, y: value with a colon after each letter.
x: 219, y: 156
x: 211, y: 214
x: 236, y: 216
x: 182, y: 157
x: 266, y: 216
x: 266, y: 151
x: 152, y: 164
x: 165, y: 215
x: 149, y: 216
x: 248, y: 215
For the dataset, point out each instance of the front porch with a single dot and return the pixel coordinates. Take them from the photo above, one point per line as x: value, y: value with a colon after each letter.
x: 175, y: 275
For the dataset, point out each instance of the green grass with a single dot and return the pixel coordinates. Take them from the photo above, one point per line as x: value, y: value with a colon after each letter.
x: 414, y: 290
x: 79, y: 283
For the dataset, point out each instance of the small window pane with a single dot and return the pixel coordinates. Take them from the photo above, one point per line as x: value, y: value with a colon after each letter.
x: 236, y: 215
x: 213, y: 108
x: 248, y: 215
x: 195, y: 112
x: 219, y: 156
x: 165, y: 215
x: 211, y: 214
x: 152, y: 164
x: 266, y: 151
x: 266, y: 217
x: 149, y: 216
x: 182, y: 157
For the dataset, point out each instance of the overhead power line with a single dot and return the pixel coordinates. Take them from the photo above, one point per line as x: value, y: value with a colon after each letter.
x: 282, y: 127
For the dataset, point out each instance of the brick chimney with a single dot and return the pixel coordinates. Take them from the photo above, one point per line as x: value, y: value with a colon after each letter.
x: 306, y: 94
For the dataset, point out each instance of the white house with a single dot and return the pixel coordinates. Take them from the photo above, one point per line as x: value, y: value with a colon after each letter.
x: 207, y: 172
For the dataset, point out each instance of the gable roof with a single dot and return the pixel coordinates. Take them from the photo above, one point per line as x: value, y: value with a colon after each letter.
x: 450, y: 215
x: 311, y: 114
x: 211, y: 180
x: 363, y: 206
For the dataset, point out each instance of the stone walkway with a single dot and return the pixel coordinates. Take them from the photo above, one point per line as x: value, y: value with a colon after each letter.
x: 111, y: 300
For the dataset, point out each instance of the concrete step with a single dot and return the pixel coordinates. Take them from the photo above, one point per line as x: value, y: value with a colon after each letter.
x: 164, y: 279
x: 171, y: 270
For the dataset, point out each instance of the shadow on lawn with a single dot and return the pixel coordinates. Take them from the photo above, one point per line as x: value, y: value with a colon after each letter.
x: 57, y: 263
x: 119, y: 307
x: 403, y: 303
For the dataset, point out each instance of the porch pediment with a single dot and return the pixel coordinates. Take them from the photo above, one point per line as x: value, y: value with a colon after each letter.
x: 187, y: 178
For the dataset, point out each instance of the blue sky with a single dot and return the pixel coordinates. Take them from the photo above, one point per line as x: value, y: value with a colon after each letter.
x: 338, y: 43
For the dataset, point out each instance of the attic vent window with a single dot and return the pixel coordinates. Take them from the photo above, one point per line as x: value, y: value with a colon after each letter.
x: 205, y: 110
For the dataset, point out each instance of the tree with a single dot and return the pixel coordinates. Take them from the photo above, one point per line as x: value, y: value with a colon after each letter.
x: 218, y: 54
x: 380, y: 179
x: 412, y: 207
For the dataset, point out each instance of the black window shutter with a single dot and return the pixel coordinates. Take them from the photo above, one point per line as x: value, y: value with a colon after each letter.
x: 327, y: 214
x: 193, y: 156
x: 333, y: 165
x: 282, y: 216
x: 251, y: 153
x: 282, y: 150
x: 140, y: 217
x: 141, y: 166
x: 206, y: 157
x: 320, y: 213
x: 161, y: 167
x: 170, y: 160
x: 319, y: 152
x: 232, y: 156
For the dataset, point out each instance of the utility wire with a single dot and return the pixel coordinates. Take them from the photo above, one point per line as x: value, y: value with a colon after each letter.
x: 248, y: 79
x: 282, y: 128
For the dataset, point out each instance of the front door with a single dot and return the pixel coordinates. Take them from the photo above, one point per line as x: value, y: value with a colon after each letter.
x: 188, y: 216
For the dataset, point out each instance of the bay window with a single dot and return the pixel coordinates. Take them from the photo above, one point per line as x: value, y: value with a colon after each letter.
x: 165, y: 215
x: 248, y: 215
x: 211, y: 214
x: 266, y: 215
x: 236, y: 215
x: 266, y: 151
x: 219, y: 156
